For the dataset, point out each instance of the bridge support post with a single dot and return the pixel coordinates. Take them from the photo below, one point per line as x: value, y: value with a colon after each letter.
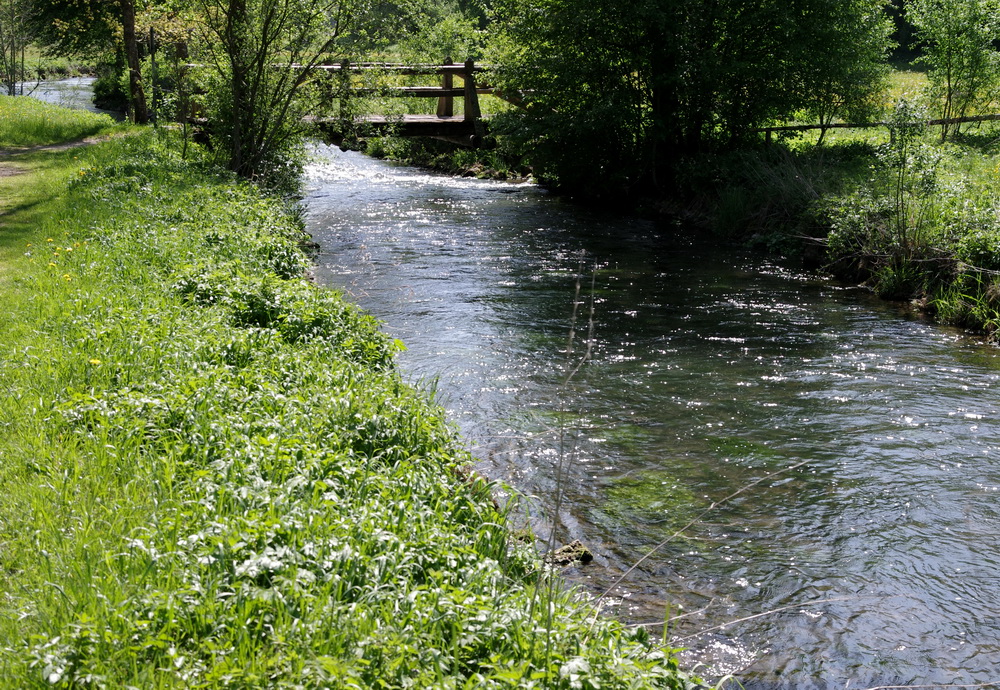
x: 446, y: 104
x: 345, y: 90
x: 472, y: 112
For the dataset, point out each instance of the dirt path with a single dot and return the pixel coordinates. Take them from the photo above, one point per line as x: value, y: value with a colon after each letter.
x: 64, y: 146
x: 9, y: 169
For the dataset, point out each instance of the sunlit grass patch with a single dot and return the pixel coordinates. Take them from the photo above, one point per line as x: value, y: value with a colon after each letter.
x: 905, y: 83
x: 27, y: 121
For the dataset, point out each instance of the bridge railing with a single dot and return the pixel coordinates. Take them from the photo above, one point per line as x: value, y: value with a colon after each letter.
x: 467, y: 129
x: 445, y: 93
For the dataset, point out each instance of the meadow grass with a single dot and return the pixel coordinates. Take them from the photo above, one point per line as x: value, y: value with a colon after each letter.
x: 213, y: 476
x: 26, y: 121
x: 920, y: 224
x: 39, y: 62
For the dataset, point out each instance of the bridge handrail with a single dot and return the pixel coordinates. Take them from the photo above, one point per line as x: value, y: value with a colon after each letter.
x: 418, y: 68
x: 400, y: 67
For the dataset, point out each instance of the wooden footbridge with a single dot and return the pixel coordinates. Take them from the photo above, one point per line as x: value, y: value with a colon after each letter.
x: 466, y: 129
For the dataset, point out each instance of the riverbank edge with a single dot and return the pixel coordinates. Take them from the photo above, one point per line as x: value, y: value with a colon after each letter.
x: 247, y: 491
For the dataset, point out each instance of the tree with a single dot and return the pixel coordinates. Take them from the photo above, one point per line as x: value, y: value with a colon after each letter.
x: 847, y: 78
x: 262, y: 57
x: 581, y: 79
x: 958, y: 38
x: 621, y: 90
x: 77, y: 27
x: 138, y: 111
x: 262, y: 53
x: 94, y: 28
x: 14, y: 38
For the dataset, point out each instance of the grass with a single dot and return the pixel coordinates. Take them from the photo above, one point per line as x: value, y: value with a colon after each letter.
x: 921, y: 225
x: 213, y: 475
x: 39, y: 63
x: 27, y: 121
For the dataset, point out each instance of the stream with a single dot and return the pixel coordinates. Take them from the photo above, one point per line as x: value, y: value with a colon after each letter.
x: 73, y: 92
x: 838, y: 457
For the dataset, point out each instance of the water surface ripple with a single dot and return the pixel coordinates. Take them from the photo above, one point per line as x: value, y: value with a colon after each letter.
x: 878, y: 559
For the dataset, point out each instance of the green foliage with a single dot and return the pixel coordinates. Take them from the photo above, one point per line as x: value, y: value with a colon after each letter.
x: 257, y: 50
x: 925, y: 223
x: 847, y: 78
x: 15, y: 28
x: 584, y: 122
x: 958, y: 43
x: 971, y: 300
x: 214, y: 477
x: 445, y: 33
x: 77, y: 27
x: 111, y: 85
x: 892, y: 216
x: 614, y: 92
x: 261, y: 82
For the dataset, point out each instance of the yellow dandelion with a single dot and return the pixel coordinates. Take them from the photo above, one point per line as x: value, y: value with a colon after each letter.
x: 52, y: 264
x: 67, y: 276
x: 95, y: 362
x: 49, y: 239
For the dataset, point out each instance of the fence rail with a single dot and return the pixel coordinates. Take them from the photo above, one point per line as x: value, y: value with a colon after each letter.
x: 864, y: 125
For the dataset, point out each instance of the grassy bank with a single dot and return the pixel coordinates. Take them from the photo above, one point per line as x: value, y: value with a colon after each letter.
x: 924, y: 224
x: 214, y: 477
x: 893, y: 207
x: 40, y: 65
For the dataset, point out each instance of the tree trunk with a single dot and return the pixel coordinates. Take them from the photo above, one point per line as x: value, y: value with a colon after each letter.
x: 136, y: 96
x: 235, y: 39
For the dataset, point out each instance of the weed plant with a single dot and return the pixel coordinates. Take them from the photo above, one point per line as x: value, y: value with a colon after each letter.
x: 213, y: 476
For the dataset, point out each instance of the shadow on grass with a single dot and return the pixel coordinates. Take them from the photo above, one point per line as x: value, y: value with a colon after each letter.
x: 983, y: 140
x: 14, y: 231
x: 33, y: 181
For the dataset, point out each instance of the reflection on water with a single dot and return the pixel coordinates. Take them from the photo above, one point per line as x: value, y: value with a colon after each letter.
x: 877, y: 557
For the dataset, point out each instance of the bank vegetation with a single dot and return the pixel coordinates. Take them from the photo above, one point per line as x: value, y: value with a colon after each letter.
x: 213, y: 474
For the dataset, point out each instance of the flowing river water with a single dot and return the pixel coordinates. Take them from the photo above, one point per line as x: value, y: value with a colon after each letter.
x: 865, y: 441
